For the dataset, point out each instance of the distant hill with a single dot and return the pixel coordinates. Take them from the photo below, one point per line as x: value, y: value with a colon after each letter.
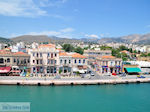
x: 43, y: 38
x: 134, y: 38
x: 31, y: 38
x: 4, y: 40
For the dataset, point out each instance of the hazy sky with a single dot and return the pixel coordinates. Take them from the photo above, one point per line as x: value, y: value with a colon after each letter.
x: 74, y: 18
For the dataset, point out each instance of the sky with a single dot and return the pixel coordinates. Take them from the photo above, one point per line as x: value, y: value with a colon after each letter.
x: 74, y: 18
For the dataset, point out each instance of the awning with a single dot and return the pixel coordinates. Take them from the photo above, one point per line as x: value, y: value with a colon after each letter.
x: 5, y: 69
x: 133, y: 70
x: 81, y: 71
x: 75, y: 69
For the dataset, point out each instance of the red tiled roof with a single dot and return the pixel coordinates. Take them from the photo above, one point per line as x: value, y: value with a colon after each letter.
x: 77, y: 55
x: 47, y: 45
x: 109, y: 57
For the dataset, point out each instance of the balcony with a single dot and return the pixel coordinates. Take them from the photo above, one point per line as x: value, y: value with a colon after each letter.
x: 38, y: 57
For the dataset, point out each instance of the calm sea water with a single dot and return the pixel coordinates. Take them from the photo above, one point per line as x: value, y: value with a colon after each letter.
x: 98, y: 98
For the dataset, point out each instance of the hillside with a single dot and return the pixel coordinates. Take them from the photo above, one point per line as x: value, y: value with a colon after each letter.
x: 43, y: 38
x: 134, y: 38
x: 4, y: 40
x: 31, y: 38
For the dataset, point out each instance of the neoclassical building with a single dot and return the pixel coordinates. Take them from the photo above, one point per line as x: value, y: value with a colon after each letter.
x: 44, y: 59
x: 109, y: 64
x: 19, y: 59
x: 72, y: 62
x: 47, y: 60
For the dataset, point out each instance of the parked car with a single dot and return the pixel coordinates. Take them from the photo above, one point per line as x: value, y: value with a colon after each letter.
x: 114, y: 74
x: 140, y: 76
x: 92, y: 74
x: 122, y: 74
x: 107, y: 74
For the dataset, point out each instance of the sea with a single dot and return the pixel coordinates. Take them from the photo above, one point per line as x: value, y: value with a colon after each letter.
x: 84, y: 98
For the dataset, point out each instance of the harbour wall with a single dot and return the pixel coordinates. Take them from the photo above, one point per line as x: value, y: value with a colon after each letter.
x: 73, y: 82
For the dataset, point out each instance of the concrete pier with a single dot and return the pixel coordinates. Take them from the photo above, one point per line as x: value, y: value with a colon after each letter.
x: 73, y: 82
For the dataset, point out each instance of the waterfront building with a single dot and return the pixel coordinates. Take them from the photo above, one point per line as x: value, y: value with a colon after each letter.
x: 44, y: 60
x: 108, y: 64
x: 19, y: 59
x: 93, y: 54
x: 72, y: 62
x: 143, y: 65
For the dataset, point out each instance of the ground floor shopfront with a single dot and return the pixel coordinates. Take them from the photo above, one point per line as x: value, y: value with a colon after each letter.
x: 111, y: 69
x: 44, y: 70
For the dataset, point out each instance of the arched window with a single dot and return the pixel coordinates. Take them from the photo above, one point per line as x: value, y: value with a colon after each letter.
x: 8, y: 60
x: 1, y: 60
x: 79, y: 61
x: 75, y: 61
x: 65, y: 61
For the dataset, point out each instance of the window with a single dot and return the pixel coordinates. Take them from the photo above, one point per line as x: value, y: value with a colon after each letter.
x: 84, y: 61
x: 48, y: 62
x: 55, y: 55
x: 18, y: 61
x: 47, y: 54
x: 69, y: 61
x: 28, y: 60
x: 34, y: 69
x: 33, y: 61
x: 41, y: 69
x: 40, y: 61
x: 14, y: 60
x: 37, y: 61
x: 75, y: 61
x: 40, y: 54
x: 51, y: 61
x: 51, y: 55
x: 55, y: 61
x: 65, y: 61
x: 79, y: 61
x: 1, y: 60
x: 37, y: 55
x: 24, y: 61
x: 60, y: 61
x: 8, y: 60
x: 33, y: 54
x: 48, y: 69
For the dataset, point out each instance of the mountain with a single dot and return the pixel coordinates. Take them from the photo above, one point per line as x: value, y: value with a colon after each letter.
x: 31, y: 38
x: 43, y: 38
x: 134, y: 38
x: 4, y: 40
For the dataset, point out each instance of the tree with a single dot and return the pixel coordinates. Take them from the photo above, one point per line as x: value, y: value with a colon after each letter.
x: 135, y: 51
x: 105, y: 48
x: 68, y: 47
x: 148, y: 54
x: 130, y: 50
x: 143, y: 55
x: 79, y: 50
x: 121, y: 48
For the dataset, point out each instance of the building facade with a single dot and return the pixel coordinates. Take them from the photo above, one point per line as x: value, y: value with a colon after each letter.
x: 72, y: 62
x: 19, y: 59
x: 109, y: 64
x: 44, y: 60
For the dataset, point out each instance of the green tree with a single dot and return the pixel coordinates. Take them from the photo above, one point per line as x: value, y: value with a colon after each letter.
x: 134, y: 51
x: 130, y: 50
x: 68, y: 47
x: 105, y: 48
x: 148, y: 54
x: 121, y: 48
x: 143, y: 55
x: 79, y: 50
